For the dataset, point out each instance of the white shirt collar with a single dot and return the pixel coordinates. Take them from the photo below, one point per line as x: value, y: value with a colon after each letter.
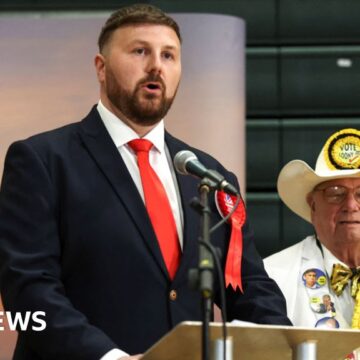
x: 330, y: 260
x: 121, y: 133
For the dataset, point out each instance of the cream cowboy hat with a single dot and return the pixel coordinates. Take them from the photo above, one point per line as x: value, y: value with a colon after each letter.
x: 339, y: 158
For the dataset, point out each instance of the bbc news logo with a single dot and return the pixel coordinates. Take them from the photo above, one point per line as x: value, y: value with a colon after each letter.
x: 18, y: 321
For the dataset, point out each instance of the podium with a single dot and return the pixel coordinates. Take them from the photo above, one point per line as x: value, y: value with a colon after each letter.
x: 265, y: 342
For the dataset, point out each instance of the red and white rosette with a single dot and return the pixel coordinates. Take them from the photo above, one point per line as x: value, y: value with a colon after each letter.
x: 225, y: 204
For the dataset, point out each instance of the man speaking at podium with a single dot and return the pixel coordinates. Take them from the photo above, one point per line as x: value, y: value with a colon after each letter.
x: 95, y: 225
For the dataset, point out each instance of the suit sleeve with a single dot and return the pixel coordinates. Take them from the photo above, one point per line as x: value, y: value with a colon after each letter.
x: 262, y: 301
x: 30, y: 261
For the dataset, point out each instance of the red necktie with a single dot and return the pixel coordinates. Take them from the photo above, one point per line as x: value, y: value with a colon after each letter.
x: 158, y: 207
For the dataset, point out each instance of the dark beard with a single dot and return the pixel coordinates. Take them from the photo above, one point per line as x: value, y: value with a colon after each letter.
x: 143, y: 111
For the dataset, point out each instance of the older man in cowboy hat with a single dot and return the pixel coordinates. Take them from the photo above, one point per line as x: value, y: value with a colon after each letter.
x: 329, y: 198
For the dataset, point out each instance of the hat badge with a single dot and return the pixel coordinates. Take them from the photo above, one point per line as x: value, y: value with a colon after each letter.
x: 342, y: 150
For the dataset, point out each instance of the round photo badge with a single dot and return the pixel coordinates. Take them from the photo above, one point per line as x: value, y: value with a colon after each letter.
x: 225, y: 204
x: 322, y: 304
x: 313, y: 278
x: 342, y: 150
x: 327, y: 323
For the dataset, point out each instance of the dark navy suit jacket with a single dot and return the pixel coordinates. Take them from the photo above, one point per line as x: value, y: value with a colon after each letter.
x: 77, y: 243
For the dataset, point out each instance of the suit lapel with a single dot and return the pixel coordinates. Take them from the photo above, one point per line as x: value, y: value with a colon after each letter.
x: 102, y: 149
x: 188, y: 189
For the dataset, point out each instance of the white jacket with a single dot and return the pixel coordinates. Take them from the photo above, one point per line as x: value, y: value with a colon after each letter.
x: 286, y: 268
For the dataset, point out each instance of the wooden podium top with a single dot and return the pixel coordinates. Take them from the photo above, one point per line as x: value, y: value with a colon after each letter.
x: 265, y: 342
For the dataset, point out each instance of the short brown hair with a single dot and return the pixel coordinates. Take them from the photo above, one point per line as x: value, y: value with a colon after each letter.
x: 132, y: 15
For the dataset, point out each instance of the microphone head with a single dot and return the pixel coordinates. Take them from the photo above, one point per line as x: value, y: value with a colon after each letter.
x: 181, y: 159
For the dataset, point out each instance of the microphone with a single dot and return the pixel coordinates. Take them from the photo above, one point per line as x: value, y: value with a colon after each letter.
x: 186, y: 163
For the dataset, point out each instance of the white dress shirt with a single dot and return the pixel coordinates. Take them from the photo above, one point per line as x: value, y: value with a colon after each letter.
x: 160, y: 161
x: 159, y: 158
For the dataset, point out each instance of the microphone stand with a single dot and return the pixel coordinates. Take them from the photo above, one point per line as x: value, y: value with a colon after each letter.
x: 203, y: 276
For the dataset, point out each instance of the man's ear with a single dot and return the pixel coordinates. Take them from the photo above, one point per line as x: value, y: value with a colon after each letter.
x: 99, y: 62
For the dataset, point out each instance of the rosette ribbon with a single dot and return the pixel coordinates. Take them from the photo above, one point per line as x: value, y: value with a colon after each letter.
x: 226, y: 204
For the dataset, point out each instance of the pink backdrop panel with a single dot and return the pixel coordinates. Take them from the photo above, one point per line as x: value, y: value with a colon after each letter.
x: 48, y: 80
